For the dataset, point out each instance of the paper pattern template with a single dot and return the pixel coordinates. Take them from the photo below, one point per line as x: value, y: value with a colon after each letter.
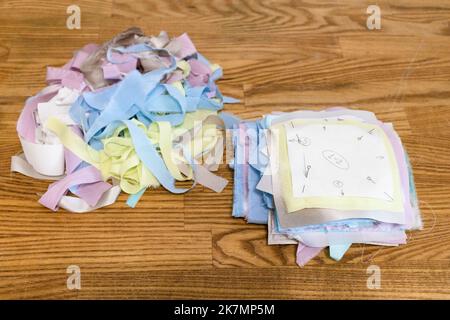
x: 331, y: 159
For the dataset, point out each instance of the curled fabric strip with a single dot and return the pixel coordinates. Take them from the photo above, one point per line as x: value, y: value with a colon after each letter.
x: 78, y: 205
x: 58, y: 189
x: 26, y: 124
x: 150, y: 157
x: 46, y: 159
x: 91, y: 192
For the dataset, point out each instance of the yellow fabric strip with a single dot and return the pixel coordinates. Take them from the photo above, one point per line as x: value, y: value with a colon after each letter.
x: 119, y: 160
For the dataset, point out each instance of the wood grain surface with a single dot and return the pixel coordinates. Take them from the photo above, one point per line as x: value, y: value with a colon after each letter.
x: 277, y: 55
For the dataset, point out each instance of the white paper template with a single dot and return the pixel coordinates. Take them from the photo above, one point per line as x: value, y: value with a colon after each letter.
x: 329, y: 159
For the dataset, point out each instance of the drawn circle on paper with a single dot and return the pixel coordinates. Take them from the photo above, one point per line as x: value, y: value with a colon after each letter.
x: 305, y: 141
x: 336, y: 159
x: 338, y: 184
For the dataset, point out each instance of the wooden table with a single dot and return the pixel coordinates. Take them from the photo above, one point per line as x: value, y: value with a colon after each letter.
x: 276, y: 55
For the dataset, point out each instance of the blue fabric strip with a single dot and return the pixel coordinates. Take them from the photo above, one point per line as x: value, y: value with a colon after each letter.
x: 151, y: 158
x: 134, y: 198
x: 337, y: 251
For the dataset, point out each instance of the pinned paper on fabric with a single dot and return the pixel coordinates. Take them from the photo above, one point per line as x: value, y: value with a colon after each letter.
x: 340, y: 159
x: 319, y: 183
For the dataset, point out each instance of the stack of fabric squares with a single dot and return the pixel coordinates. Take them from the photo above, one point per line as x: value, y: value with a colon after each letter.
x: 324, y: 179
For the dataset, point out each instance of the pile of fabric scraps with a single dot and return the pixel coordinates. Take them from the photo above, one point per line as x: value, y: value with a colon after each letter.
x: 324, y: 179
x: 134, y: 113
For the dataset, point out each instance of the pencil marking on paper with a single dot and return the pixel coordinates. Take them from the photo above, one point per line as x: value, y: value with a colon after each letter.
x: 392, y: 199
x: 336, y: 159
x: 369, y: 178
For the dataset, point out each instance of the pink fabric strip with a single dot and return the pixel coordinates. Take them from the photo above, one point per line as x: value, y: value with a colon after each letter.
x: 92, y: 192
x: 72, y: 161
x: 199, y: 74
x: 125, y: 62
x: 26, y: 124
x: 58, y: 189
x: 304, y: 254
x: 111, y: 72
x: 79, y: 58
x: 187, y: 47
x: 69, y: 75
x: 317, y: 239
x: 66, y: 77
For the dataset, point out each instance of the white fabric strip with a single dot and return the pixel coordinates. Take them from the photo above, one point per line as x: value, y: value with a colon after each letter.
x: 46, y: 159
x: 21, y: 165
x: 78, y: 205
